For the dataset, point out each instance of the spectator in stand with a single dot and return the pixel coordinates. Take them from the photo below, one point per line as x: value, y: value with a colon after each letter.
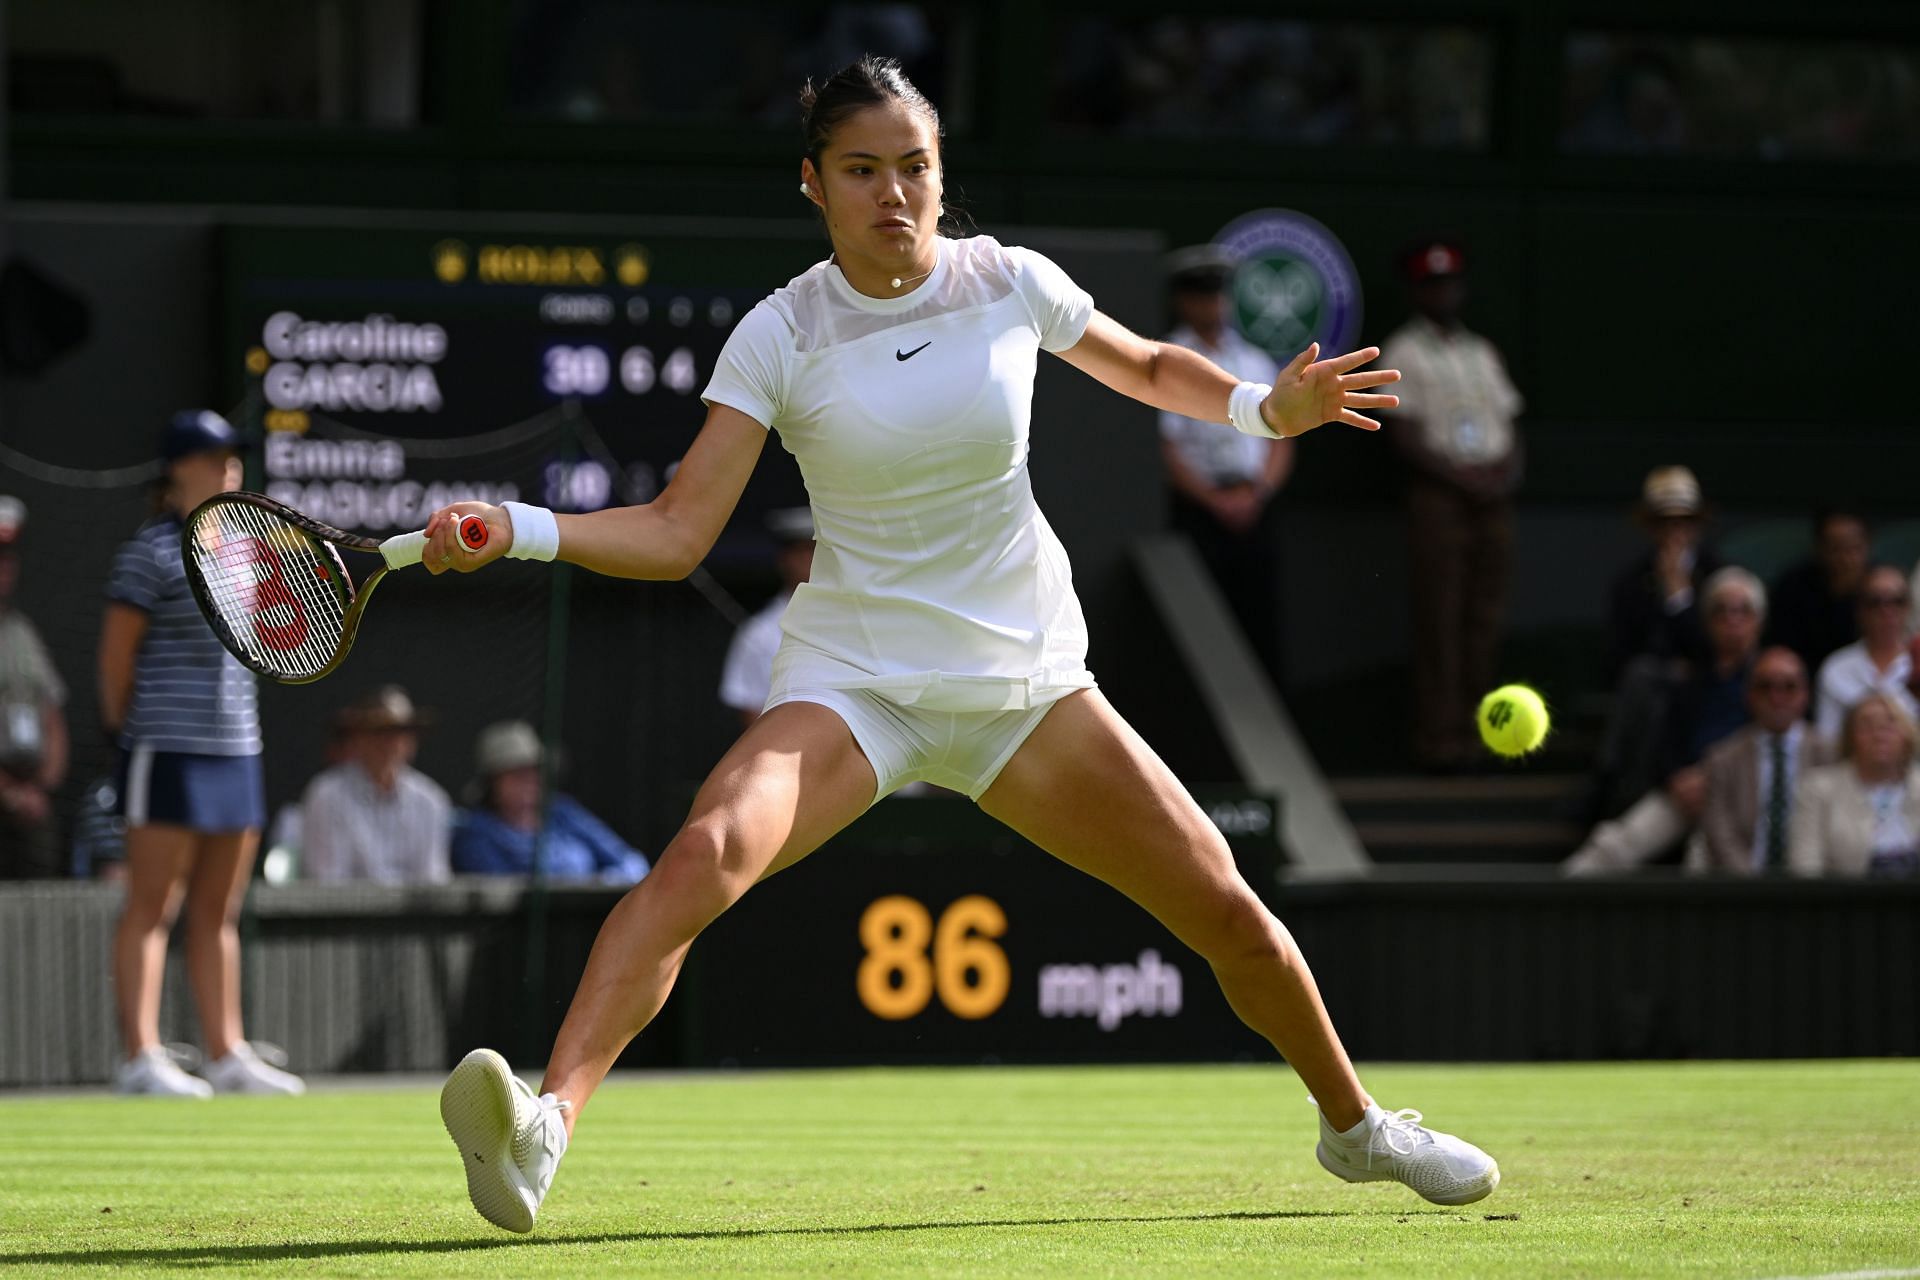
x: 1814, y: 602
x: 1880, y: 661
x: 373, y: 818
x: 1707, y: 708
x: 1652, y: 611
x: 1656, y: 641
x: 1455, y: 428
x: 33, y: 725
x: 1861, y: 817
x: 1220, y: 482
x: 506, y: 830
x: 1753, y: 773
x: 748, y: 674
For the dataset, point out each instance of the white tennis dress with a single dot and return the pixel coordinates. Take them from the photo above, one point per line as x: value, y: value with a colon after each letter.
x: 937, y: 584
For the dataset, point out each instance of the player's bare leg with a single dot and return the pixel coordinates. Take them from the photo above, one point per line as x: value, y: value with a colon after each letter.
x: 794, y: 778
x: 1088, y: 790
x: 791, y: 781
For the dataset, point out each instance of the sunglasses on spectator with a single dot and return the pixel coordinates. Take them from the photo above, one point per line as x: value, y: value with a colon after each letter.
x: 1731, y: 606
x: 1782, y: 684
x: 1883, y: 601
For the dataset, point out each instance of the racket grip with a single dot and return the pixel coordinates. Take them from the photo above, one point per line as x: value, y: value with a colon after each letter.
x: 404, y: 549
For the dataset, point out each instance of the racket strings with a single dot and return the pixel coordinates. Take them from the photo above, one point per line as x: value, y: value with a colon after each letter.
x: 275, y: 590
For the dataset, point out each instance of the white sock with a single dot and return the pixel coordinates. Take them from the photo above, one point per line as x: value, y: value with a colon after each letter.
x: 1369, y: 1121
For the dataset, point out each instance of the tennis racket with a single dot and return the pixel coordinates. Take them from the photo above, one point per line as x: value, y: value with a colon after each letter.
x: 273, y: 585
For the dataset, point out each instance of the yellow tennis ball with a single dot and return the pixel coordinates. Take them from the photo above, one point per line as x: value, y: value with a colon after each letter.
x: 1513, y: 720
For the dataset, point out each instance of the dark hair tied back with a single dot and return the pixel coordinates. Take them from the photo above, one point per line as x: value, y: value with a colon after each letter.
x: 871, y: 81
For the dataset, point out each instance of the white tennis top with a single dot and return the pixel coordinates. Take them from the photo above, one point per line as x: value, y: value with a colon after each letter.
x: 936, y: 580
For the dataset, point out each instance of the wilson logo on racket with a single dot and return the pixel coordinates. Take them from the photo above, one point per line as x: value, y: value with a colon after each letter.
x: 274, y: 588
x: 279, y: 617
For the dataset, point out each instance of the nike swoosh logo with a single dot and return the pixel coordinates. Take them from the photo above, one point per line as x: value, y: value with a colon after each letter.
x: 908, y: 355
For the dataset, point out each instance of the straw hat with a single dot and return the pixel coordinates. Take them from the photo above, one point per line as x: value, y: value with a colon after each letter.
x: 1669, y: 492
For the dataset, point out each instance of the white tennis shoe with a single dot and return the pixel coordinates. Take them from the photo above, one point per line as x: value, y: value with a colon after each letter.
x: 243, y: 1071
x: 1395, y: 1146
x: 153, y: 1073
x: 510, y: 1140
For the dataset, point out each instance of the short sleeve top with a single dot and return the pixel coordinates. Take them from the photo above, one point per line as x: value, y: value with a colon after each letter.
x: 936, y: 579
x: 189, y: 694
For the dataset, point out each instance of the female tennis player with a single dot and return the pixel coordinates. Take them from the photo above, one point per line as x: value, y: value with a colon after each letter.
x: 938, y: 638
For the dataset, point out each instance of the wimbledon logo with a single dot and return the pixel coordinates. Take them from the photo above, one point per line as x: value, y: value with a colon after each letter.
x: 1293, y: 283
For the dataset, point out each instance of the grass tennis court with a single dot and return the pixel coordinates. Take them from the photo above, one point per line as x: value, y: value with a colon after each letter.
x: 1761, y: 1169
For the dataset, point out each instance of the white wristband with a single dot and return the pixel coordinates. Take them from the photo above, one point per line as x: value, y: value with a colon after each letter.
x: 1243, y: 410
x: 536, y: 534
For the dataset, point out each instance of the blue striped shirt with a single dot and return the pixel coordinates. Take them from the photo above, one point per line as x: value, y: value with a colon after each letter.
x: 189, y: 694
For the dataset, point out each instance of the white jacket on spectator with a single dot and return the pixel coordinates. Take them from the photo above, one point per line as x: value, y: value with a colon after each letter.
x: 1834, y: 823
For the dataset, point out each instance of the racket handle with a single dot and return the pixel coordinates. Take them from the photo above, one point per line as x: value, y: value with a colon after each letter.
x: 404, y: 549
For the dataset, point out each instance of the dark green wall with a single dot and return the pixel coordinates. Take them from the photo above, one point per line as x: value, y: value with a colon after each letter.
x: 1738, y: 315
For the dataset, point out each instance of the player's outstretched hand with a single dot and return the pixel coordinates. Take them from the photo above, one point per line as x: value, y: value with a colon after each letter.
x: 446, y: 552
x: 1309, y: 392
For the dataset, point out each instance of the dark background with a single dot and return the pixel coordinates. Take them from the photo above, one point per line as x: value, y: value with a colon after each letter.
x: 1726, y: 305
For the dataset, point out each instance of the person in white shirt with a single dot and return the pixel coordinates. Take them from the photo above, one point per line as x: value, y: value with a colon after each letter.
x: 374, y: 818
x: 747, y: 677
x: 1220, y: 481
x: 1861, y: 817
x: 1880, y: 661
x: 939, y: 636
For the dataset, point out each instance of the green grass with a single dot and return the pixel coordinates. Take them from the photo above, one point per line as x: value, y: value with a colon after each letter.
x: 1765, y: 1169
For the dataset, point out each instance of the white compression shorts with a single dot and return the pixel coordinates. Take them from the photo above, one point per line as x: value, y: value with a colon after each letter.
x: 963, y: 751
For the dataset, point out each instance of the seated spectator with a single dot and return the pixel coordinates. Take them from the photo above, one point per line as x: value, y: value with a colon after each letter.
x: 373, y: 818
x: 1880, y: 661
x: 1655, y: 638
x: 503, y: 834
x: 1652, y: 611
x: 1861, y: 817
x: 1707, y: 708
x: 1751, y: 775
x: 1812, y: 605
x: 33, y: 726
x: 748, y: 675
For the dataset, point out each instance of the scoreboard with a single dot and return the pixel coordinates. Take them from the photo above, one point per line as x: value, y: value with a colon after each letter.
x: 390, y: 369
